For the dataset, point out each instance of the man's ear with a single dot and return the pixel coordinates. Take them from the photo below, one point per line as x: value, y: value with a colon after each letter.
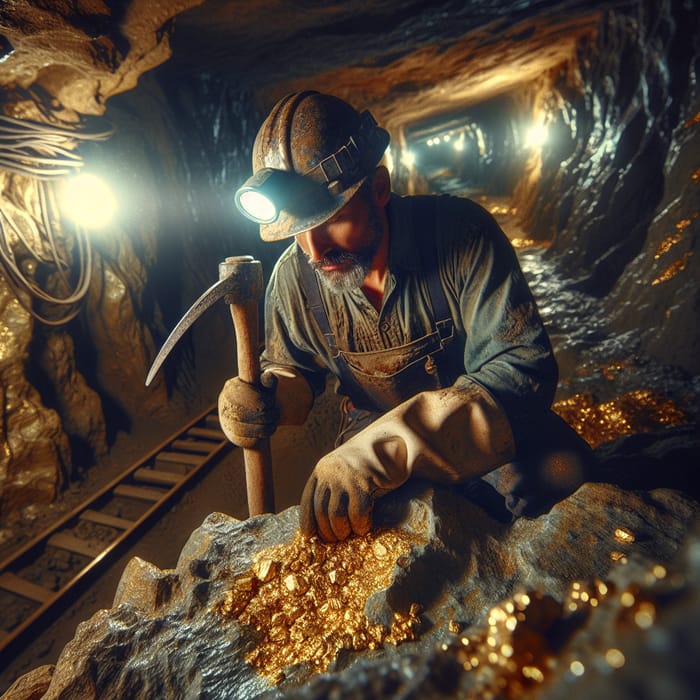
x: 381, y: 186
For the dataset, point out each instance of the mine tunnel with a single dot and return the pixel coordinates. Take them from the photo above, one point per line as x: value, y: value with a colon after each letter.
x: 575, y: 125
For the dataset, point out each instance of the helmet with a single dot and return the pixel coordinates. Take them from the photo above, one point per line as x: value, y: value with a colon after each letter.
x: 310, y: 156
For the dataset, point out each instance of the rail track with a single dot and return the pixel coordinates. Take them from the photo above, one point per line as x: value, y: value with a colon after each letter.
x: 48, y: 569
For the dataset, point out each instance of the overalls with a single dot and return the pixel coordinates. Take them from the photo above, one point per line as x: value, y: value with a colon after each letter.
x: 379, y: 380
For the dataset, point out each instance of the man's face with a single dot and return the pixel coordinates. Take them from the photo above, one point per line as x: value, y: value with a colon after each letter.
x: 342, y: 249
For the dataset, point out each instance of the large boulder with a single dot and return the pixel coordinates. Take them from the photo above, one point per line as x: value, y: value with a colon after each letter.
x: 445, y: 595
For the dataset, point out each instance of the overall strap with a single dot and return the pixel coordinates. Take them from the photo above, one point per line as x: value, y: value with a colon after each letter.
x: 309, y: 284
x: 426, y: 222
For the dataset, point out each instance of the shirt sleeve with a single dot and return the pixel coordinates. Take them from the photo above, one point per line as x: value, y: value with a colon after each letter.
x: 290, y: 339
x: 506, y: 347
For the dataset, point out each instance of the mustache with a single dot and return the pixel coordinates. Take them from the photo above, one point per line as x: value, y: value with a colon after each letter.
x: 336, y: 257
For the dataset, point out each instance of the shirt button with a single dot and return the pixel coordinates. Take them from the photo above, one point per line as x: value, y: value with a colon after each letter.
x: 384, y: 327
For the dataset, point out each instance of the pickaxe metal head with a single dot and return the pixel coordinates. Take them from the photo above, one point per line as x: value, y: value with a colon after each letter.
x: 240, y: 282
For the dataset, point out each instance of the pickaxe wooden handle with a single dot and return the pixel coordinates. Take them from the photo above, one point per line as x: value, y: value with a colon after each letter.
x: 243, y: 303
x: 241, y: 286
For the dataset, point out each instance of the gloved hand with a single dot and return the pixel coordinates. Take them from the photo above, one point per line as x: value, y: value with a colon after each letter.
x: 446, y: 435
x: 339, y: 496
x: 249, y: 412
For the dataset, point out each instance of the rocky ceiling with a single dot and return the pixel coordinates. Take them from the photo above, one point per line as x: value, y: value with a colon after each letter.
x: 406, y: 60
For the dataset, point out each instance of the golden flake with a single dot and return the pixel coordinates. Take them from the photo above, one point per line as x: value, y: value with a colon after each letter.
x: 620, y: 557
x: 636, y: 412
x: 624, y: 535
x: 522, y: 242
x: 673, y: 269
x: 615, y: 658
x: 611, y: 371
x: 380, y: 551
x: 265, y: 569
x: 645, y: 615
x: 627, y: 599
x: 659, y: 571
x: 534, y: 673
x: 577, y: 668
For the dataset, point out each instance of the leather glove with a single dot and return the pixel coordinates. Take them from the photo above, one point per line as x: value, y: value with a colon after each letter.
x: 249, y: 412
x: 446, y: 435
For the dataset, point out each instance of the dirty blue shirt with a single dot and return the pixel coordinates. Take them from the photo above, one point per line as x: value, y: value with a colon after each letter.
x: 499, y: 340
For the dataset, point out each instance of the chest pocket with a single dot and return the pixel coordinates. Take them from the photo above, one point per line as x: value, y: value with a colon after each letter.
x: 388, y: 377
x: 380, y: 380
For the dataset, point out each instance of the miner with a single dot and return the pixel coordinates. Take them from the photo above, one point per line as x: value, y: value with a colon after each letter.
x: 417, y: 306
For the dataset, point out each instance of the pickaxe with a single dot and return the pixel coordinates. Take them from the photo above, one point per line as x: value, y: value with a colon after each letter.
x: 241, y: 286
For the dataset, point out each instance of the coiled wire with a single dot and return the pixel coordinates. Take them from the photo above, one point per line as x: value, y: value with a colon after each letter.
x: 44, y: 152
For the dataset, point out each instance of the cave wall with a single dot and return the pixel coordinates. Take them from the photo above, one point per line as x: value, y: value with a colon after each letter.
x: 622, y: 162
x: 65, y: 390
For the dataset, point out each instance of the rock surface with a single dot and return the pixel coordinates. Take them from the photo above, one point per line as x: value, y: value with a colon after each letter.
x: 60, y: 62
x: 468, y: 602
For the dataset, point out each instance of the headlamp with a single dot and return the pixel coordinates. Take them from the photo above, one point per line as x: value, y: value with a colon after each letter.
x: 319, y: 190
x: 259, y: 196
x: 265, y: 194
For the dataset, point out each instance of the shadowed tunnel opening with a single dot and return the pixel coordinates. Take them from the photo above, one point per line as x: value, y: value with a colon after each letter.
x: 479, y: 151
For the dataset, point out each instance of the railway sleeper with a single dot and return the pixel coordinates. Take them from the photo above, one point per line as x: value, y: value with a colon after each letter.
x: 140, y: 493
x: 212, y: 421
x: 70, y: 543
x: 204, y: 447
x: 157, y: 477
x: 207, y: 433
x: 96, y: 516
x: 19, y: 586
x: 178, y: 462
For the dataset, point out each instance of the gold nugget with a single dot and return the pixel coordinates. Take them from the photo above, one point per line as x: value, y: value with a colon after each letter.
x: 307, y: 600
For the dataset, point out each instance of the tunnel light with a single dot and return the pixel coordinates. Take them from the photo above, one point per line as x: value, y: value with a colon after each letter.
x: 408, y: 159
x: 446, y: 138
x: 459, y: 143
x: 88, y: 201
x: 536, y: 136
x: 389, y: 160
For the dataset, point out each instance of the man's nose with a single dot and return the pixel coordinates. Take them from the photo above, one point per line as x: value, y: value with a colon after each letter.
x: 317, y: 243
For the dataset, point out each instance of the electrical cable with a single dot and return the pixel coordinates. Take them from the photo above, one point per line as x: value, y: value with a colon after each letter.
x: 44, y: 152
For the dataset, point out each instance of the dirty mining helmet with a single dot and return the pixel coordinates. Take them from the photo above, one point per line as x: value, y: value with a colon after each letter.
x: 310, y: 156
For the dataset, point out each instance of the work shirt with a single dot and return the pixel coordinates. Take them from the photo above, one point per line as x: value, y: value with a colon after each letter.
x: 498, y: 339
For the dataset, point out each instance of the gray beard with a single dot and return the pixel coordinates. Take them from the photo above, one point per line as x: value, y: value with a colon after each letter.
x: 360, y: 262
x: 344, y: 280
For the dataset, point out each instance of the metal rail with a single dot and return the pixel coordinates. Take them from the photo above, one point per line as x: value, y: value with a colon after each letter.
x: 152, y: 482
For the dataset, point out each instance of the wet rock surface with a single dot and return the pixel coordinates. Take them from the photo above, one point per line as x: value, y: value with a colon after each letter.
x: 497, y: 605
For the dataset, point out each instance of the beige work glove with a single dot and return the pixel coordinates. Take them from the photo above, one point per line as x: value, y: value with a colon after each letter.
x: 446, y: 435
x: 250, y: 412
